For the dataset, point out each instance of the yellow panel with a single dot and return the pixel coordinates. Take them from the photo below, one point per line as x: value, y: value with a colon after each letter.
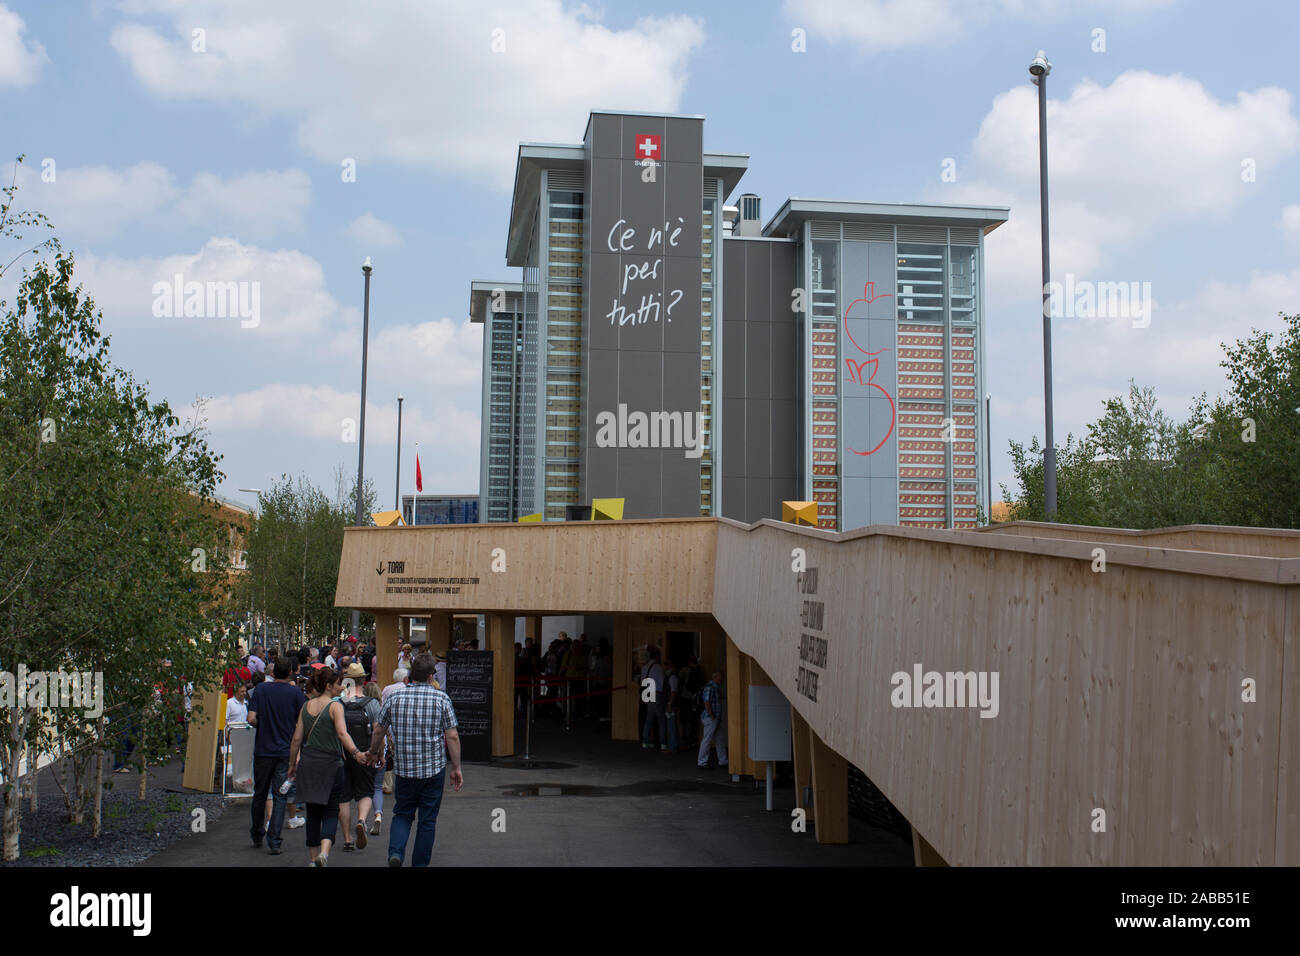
x: 799, y: 512
x: 532, y: 517
x: 606, y: 509
x: 387, y: 519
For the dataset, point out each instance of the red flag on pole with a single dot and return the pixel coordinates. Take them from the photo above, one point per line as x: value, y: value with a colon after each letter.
x: 419, y: 482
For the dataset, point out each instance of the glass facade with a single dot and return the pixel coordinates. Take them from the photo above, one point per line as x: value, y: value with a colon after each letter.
x: 937, y: 301
x: 563, y: 400
x: 441, y: 509
x: 707, y: 272
x: 503, y: 436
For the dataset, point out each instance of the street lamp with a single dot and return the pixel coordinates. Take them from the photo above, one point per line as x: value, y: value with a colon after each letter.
x: 397, y: 479
x: 1039, y: 68
x: 361, y: 435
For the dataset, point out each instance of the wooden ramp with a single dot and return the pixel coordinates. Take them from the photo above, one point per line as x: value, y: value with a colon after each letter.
x: 1156, y: 698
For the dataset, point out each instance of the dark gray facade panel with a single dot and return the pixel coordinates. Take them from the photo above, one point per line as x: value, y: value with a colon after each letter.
x: 733, y: 439
x: 758, y: 439
x: 760, y: 371
x: 734, y: 332
x: 643, y: 257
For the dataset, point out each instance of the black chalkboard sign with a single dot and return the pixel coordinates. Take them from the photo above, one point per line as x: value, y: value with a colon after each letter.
x: 469, y: 685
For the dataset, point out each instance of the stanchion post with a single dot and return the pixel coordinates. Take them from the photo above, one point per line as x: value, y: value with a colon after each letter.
x: 528, y: 725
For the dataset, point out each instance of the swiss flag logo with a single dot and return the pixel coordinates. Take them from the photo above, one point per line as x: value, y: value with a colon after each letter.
x: 647, y: 147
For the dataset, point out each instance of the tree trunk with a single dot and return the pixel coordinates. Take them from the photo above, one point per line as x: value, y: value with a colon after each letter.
x: 30, y: 780
x: 97, y: 819
x: 13, y: 821
x: 13, y: 817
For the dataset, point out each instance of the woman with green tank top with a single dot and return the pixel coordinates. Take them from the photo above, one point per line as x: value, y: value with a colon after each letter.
x: 316, y: 761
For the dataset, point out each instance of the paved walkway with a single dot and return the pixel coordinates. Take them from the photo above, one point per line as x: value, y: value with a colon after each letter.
x: 614, y: 804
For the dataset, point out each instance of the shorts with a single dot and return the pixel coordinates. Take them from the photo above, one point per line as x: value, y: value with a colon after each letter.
x: 358, y: 780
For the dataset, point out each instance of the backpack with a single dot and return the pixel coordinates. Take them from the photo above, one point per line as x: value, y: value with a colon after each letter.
x: 358, y: 721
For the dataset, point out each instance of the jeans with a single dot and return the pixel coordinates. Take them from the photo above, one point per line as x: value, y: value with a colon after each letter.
x: 268, y: 776
x: 412, y: 793
x: 654, y: 717
x: 672, y: 731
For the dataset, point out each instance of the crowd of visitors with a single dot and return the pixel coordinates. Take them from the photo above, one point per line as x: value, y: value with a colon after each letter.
x: 573, y: 679
x: 330, y: 739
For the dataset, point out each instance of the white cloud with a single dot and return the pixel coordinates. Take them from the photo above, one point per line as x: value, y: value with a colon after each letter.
x: 309, y: 426
x: 261, y: 203
x: 418, y: 84
x: 324, y: 413
x: 20, y: 60
x: 877, y: 25
x: 1290, y: 223
x: 295, y: 304
x: 372, y: 230
x: 1125, y: 160
x: 94, y: 202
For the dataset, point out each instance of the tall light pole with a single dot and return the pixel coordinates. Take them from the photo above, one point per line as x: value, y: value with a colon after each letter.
x: 397, y: 479
x: 1039, y: 68
x: 361, y: 435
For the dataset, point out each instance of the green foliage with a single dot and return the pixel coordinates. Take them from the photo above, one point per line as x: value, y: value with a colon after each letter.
x: 294, y: 547
x: 1234, y: 462
x: 104, y: 497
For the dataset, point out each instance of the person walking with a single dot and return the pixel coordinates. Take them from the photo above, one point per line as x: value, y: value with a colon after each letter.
x: 712, y: 717
x: 654, y: 711
x: 425, y: 741
x: 360, y: 712
x: 273, y: 710
x: 320, y: 743
x: 380, y: 766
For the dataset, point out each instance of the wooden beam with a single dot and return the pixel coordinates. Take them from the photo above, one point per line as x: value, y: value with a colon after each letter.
x: 830, y: 780
x: 802, y: 762
x: 438, y: 632
x: 923, y: 853
x: 501, y: 642
x: 737, y: 684
x: 388, y: 636
x: 623, y: 704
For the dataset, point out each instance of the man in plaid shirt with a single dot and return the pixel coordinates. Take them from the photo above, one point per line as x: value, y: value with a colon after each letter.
x: 421, y: 720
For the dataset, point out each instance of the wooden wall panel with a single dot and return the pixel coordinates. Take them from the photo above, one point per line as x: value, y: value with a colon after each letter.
x: 1118, y: 691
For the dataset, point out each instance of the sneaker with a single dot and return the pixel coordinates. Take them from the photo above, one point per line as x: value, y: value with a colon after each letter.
x: 296, y: 822
x: 374, y: 825
x: 361, y: 836
x: 349, y: 847
x: 275, y: 851
x: 322, y: 861
x: 394, y: 861
x: 702, y: 766
x: 257, y: 844
x: 646, y: 747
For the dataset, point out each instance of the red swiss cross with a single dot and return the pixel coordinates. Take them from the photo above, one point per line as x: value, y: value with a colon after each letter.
x: 647, y: 146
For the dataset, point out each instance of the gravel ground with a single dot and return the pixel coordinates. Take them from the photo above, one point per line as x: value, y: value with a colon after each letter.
x: 134, y: 829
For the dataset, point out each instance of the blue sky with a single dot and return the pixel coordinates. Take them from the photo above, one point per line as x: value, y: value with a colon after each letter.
x: 225, y: 164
